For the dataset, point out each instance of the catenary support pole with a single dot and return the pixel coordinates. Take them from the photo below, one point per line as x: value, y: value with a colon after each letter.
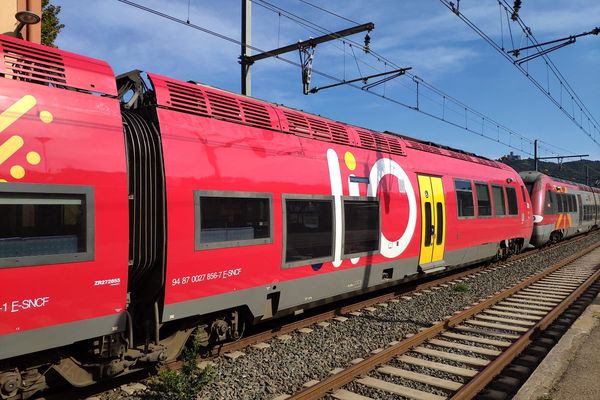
x: 246, y: 50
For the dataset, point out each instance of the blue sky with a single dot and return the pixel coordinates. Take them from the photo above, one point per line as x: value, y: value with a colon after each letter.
x: 423, y: 35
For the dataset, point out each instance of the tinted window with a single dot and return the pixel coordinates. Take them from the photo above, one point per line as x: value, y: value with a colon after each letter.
x: 511, y: 198
x: 428, y: 226
x: 498, y: 195
x: 231, y: 220
x: 464, y: 198
x: 553, y: 203
x: 42, y: 224
x: 559, y: 201
x: 309, y: 230
x: 484, y: 205
x: 361, y: 226
x: 439, y: 238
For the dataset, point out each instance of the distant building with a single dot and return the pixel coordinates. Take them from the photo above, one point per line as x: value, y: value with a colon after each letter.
x: 8, y: 22
x: 510, y: 157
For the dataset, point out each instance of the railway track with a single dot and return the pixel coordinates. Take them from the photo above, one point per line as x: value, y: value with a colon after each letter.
x: 456, y: 358
x: 392, y: 295
x: 407, y: 289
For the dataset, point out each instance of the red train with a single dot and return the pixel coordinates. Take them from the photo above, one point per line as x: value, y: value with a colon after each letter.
x: 560, y: 208
x: 137, y: 209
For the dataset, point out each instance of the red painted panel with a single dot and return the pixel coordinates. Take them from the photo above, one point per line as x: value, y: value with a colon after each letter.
x: 32, y: 62
x: 208, y: 154
x: 78, y: 140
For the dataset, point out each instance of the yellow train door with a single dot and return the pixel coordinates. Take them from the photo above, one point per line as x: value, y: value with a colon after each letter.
x: 433, y: 221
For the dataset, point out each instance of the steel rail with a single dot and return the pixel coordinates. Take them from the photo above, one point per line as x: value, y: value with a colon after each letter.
x: 346, y: 376
x: 485, y: 376
x: 406, y: 289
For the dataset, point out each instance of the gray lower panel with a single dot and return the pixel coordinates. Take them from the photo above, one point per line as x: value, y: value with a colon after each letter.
x: 27, y: 342
x: 319, y: 289
x: 541, y: 234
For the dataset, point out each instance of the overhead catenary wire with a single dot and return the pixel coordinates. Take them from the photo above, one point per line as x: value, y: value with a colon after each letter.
x: 316, y: 28
x: 592, y: 133
x: 471, y: 129
x: 321, y: 30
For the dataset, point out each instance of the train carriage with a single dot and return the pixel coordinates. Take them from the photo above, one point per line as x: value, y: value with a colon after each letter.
x: 561, y: 208
x: 135, y: 211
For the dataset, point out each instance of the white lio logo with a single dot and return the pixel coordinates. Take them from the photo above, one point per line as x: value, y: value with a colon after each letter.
x: 382, y: 167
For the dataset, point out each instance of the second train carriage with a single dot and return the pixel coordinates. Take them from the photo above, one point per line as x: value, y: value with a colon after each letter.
x: 561, y: 208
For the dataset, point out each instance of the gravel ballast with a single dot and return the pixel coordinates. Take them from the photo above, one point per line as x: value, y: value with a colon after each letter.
x: 285, y: 366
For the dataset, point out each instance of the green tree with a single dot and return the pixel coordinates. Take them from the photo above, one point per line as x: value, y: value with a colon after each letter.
x: 51, y: 25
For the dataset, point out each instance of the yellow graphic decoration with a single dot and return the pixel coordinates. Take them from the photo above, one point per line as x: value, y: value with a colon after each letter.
x: 14, y: 143
x: 350, y: 161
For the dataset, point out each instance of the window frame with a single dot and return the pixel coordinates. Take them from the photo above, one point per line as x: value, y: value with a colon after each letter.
x: 87, y: 192
x: 501, y: 187
x: 523, y: 194
x: 307, y: 197
x: 552, y: 199
x: 364, y: 253
x: 508, y: 213
x: 199, y: 246
x: 491, y: 200
x: 473, y: 198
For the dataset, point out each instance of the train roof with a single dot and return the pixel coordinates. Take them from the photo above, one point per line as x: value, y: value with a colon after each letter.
x: 535, y: 175
x: 69, y: 71
x: 205, y: 100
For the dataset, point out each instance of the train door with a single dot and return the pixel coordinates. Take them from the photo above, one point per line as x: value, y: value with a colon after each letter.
x: 433, y: 221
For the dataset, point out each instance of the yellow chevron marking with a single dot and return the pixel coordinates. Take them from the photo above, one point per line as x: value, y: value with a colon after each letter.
x: 10, y: 147
x: 16, y: 111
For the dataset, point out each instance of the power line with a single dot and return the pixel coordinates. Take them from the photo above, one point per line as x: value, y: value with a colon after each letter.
x: 593, y: 128
x: 382, y: 58
x: 417, y: 80
x: 328, y: 11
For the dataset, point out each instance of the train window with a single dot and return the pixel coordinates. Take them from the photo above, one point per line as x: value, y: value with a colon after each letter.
x: 484, y: 204
x: 559, y: 202
x: 550, y: 204
x: 511, y: 198
x: 230, y: 219
x: 464, y: 198
x: 428, y: 224
x: 361, y: 226
x: 439, y: 236
x: 556, y: 202
x: 498, y: 196
x: 45, y: 224
x: 308, y: 230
